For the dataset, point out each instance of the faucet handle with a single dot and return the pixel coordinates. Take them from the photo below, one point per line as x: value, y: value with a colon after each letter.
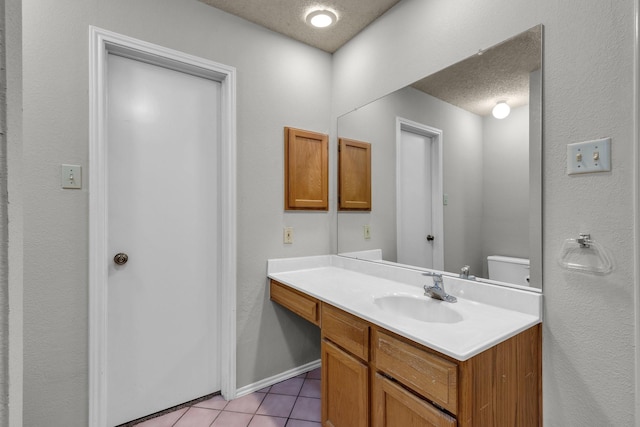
x: 431, y: 273
x: 437, y: 277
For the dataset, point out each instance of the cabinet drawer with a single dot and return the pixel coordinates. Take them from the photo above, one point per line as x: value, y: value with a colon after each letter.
x: 395, y: 406
x: 301, y: 304
x: 426, y: 373
x: 349, y: 332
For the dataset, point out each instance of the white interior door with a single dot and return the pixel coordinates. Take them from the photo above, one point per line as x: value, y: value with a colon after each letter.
x: 414, y: 200
x: 162, y: 322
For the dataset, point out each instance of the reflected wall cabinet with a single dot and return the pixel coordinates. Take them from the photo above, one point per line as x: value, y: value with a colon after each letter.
x: 354, y: 175
x: 306, y: 170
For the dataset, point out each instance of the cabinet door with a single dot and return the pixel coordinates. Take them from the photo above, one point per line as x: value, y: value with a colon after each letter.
x: 393, y: 406
x: 345, y: 399
x: 306, y: 173
x: 354, y: 175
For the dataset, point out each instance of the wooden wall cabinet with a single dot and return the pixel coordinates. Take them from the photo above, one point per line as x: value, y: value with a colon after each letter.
x: 374, y: 377
x: 354, y: 175
x: 306, y: 170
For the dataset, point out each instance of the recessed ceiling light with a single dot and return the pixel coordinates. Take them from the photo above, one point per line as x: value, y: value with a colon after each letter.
x: 321, y: 18
x: 501, y: 110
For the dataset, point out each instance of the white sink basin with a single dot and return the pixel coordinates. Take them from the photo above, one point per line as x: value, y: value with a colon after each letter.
x: 420, y: 308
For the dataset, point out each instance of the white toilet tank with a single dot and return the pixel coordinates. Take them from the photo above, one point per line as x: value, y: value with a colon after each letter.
x: 509, y: 269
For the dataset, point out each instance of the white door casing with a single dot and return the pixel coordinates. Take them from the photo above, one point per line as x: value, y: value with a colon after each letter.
x: 423, y: 150
x: 102, y: 44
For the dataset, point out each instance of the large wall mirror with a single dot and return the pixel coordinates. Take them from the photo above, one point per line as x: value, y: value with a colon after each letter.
x: 452, y: 185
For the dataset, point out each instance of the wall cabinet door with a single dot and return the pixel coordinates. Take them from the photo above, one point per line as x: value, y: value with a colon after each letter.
x: 345, y: 386
x: 394, y: 406
x: 354, y: 175
x: 306, y: 172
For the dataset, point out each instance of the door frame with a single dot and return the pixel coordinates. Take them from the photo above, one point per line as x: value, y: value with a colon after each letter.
x: 102, y: 43
x: 437, y: 192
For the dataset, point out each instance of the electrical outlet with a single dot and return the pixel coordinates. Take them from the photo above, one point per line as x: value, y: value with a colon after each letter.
x: 288, y: 235
x: 367, y: 231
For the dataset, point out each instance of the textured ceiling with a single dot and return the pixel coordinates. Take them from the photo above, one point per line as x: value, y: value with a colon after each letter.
x: 498, y: 73
x: 288, y: 17
x: 475, y: 84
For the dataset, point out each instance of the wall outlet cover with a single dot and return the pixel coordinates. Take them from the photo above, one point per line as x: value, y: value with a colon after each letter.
x: 288, y: 235
x: 367, y: 231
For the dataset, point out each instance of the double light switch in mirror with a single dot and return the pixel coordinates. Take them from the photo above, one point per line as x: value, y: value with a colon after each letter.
x: 452, y: 185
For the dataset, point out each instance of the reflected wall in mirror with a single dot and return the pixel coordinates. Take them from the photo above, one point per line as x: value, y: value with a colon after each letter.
x: 451, y: 184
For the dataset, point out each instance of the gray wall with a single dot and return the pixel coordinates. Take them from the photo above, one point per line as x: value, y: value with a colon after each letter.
x: 589, y: 321
x: 4, y: 233
x: 505, y: 193
x: 277, y: 78
x: 12, y: 358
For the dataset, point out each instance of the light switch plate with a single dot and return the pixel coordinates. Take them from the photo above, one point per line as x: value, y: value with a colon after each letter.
x: 71, y: 176
x: 589, y: 156
x: 366, y: 229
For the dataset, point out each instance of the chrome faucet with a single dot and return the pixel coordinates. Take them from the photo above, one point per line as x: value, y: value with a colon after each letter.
x: 437, y: 290
x: 464, y: 273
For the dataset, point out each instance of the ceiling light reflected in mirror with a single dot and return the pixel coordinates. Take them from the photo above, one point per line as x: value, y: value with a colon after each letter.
x: 501, y: 110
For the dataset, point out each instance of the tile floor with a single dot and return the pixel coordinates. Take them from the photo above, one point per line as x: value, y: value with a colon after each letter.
x: 291, y: 403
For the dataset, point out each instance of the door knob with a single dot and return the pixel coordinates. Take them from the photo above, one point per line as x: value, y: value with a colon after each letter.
x: 121, y: 258
x: 430, y: 238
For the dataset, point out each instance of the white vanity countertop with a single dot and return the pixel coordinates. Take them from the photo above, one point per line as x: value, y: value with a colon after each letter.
x: 490, y: 314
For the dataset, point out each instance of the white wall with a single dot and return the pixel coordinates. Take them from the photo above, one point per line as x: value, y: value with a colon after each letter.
x: 589, y: 321
x: 280, y: 83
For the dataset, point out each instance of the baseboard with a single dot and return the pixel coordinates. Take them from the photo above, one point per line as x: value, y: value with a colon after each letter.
x: 243, y: 391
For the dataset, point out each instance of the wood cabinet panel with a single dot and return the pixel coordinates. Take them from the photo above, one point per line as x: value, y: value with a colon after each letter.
x: 503, y: 385
x: 393, y: 406
x: 301, y: 304
x: 354, y: 175
x: 345, y: 389
x: 528, y: 372
x: 306, y: 171
x: 426, y: 373
x: 346, y: 330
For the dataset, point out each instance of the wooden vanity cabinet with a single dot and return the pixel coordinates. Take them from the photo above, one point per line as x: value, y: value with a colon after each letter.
x: 345, y: 369
x: 416, y: 368
x: 345, y: 388
x: 393, y: 406
x: 374, y: 377
x: 301, y: 304
x: 501, y: 386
